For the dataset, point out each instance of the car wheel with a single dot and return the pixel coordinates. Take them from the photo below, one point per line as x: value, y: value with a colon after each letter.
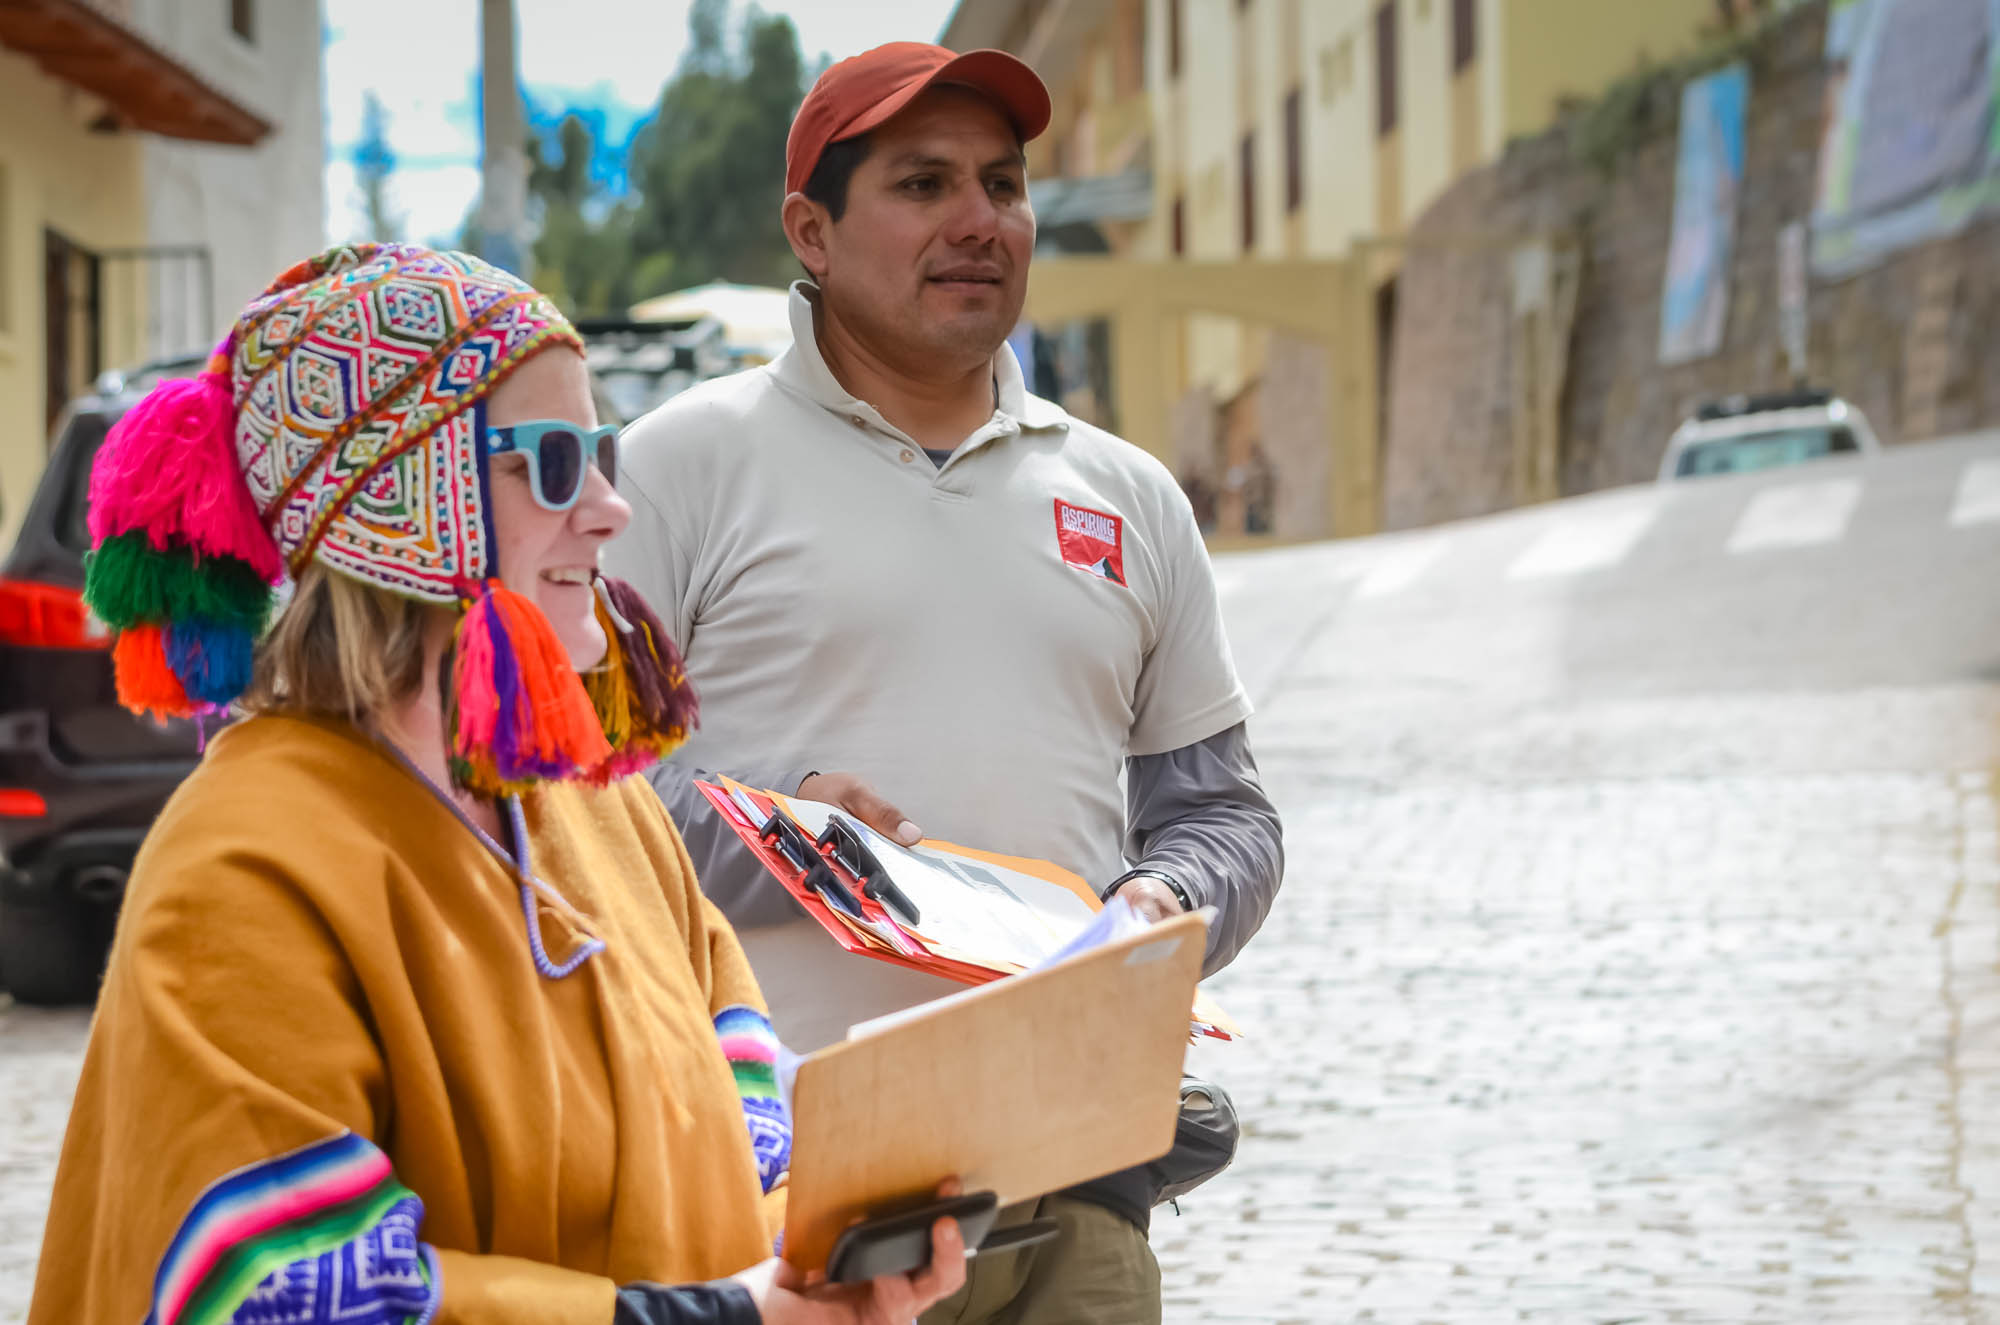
x: 53, y: 942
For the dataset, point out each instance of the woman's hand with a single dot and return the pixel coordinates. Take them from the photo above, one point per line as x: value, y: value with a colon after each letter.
x: 785, y: 1296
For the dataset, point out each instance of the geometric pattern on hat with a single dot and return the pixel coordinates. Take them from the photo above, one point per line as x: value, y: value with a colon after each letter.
x: 356, y: 379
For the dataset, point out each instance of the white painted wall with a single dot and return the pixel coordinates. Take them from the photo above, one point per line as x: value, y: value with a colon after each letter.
x: 257, y: 209
x: 1340, y: 124
x: 1424, y: 60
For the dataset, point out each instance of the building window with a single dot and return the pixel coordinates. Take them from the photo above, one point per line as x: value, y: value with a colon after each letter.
x: 1385, y: 70
x: 1464, y: 33
x: 243, y: 19
x: 1336, y: 70
x: 1177, y: 236
x: 1248, y: 171
x: 1173, y: 38
x: 1295, y: 165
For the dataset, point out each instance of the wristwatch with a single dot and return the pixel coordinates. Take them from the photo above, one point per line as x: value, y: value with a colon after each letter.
x: 1173, y: 885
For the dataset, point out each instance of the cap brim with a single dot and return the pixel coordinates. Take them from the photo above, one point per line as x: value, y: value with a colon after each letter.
x: 1008, y: 82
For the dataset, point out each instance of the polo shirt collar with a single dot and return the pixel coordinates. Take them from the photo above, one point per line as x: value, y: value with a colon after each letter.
x: 803, y: 368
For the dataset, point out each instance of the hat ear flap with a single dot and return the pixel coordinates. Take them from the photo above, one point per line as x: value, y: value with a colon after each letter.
x: 181, y: 563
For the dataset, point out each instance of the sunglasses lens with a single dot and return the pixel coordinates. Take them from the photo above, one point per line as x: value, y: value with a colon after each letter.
x: 607, y: 459
x: 560, y: 457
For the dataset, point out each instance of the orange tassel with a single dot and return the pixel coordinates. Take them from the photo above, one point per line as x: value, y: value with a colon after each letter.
x: 564, y: 723
x: 520, y: 713
x: 146, y: 684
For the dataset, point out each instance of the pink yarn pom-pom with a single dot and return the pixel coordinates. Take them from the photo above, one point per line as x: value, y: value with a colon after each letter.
x: 169, y: 468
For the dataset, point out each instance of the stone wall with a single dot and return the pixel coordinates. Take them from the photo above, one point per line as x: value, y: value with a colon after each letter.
x: 1258, y: 464
x: 1914, y: 341
x: 1193, y: 434
x: 1294, y: 410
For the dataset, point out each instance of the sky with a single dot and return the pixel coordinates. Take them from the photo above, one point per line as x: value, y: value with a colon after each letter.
x: 605, y: 58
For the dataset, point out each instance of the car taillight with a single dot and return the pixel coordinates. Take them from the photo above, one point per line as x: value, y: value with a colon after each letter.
x: 48, y: 616
x: 20, y: 803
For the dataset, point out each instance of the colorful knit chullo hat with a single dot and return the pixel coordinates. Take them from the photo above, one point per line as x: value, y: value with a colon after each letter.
x: 343, y: 421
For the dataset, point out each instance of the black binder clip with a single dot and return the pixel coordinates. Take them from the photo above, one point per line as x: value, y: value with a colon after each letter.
x: 848, y: 848
x: 790, y: 841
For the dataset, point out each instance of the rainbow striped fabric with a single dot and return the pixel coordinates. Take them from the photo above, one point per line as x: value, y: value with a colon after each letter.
x: 324, y: 1233
x: 751, y: 1047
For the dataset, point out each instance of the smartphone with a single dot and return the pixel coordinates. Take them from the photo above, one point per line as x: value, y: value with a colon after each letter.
x: 901, y: 1243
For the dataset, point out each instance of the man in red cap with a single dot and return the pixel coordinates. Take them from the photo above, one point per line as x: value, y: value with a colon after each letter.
x: 881, y: 554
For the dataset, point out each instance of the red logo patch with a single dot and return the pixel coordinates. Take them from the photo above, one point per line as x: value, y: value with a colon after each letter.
x: 1091, y: 541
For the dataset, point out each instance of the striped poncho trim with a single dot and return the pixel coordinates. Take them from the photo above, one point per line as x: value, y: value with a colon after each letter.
x: 264, y: 1217
x: 751, y: 1047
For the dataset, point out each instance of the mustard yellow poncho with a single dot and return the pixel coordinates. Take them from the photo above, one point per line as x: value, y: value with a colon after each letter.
x: 329, y: 1073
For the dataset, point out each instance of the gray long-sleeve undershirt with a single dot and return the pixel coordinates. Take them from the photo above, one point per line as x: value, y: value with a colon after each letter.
x: 1198, y: 814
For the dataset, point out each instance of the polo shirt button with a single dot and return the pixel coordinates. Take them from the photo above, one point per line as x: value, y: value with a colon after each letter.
x: 908, y: 456
x: 858, y: 421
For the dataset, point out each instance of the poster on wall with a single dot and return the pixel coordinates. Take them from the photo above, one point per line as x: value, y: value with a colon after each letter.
x: 1910, y: 140
x: 1708, y: 175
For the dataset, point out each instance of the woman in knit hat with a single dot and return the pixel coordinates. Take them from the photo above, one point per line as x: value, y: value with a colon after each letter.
x: 415, y: 1012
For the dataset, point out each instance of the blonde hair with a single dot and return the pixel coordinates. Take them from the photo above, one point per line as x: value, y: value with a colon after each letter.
x: 340, y: 647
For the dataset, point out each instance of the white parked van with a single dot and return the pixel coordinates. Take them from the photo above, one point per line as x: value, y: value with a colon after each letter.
x: 1739, y: 434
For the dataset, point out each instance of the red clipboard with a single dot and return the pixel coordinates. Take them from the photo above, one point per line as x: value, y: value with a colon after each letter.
x: 794, y: 880
x: 1209, y: 1020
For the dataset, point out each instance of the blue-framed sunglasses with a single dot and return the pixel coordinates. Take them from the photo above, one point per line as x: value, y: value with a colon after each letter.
x: 558, y: 453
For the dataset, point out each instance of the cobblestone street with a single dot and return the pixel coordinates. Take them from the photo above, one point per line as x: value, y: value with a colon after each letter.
x: 1665, y: 1049
x: 1637, y: 955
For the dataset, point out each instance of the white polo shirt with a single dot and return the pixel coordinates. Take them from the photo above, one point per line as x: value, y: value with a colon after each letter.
x: 985, y: 642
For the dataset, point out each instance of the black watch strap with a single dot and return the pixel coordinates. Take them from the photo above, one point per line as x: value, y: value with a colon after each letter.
x: 1173, y: 885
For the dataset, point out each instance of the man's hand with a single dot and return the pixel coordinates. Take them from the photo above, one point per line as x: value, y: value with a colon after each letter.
x: 1153, y: 900
x: 852, y: 794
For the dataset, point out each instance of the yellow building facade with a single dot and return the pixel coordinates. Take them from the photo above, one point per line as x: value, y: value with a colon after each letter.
x: 1287, y: 132
x: 56, y: 175
x: 159, y: 162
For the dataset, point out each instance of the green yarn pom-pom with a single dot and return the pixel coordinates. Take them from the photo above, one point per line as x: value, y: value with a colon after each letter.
x: 128, y: 582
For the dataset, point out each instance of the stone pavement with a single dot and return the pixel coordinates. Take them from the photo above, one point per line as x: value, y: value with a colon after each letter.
x: 1717, y: 1047
x: 1638, y: 959
x: 39, y: 1055
x: 1639, y: 952
x: 1682, y: 1048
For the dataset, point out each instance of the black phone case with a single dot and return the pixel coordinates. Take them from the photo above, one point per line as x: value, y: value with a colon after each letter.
x: 901, y: 1243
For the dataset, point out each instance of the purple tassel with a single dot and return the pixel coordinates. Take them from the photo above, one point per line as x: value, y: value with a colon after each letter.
x: 514, y: 755
x: 659, y: 678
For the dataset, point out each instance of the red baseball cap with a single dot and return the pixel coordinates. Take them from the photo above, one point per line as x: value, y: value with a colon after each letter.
x: 865, y: 90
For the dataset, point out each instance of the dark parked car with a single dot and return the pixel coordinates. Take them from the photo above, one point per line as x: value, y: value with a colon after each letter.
x: 80, y: 778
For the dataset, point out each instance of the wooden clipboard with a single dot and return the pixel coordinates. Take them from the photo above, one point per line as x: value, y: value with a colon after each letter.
x: 1022, y: 1086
